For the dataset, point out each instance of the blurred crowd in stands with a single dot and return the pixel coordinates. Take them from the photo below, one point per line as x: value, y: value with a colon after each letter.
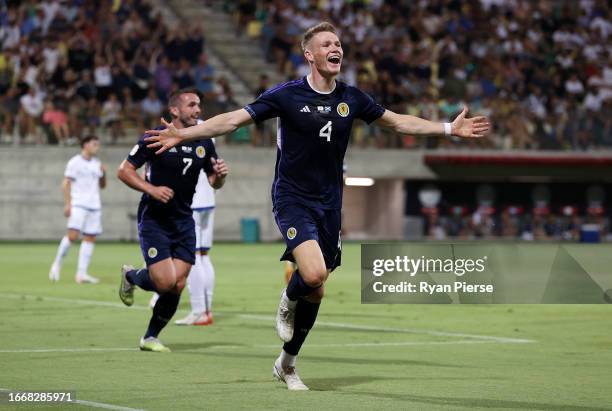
x: 541, y: 69
x: 569, y: 223
x: 70, y: 67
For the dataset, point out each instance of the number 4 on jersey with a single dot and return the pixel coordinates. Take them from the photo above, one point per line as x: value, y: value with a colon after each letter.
x: 326, y: 131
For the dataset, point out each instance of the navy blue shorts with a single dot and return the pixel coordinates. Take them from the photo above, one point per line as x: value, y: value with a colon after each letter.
x: 161, y: 239
x: 299, y: 223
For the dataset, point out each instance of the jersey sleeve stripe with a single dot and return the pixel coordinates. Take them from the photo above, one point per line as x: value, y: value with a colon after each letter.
x: 251, y: 112
x: 282, y: 86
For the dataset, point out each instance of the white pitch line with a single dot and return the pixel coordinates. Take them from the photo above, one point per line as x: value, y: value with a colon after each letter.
x: 271, y: 319
x: 72, y: 301
x: 392, y: 344
x: 106, y: 406
x: 45, y: 350
x: 402, y: 330
x: 93, y: 404
x: 275, y: 346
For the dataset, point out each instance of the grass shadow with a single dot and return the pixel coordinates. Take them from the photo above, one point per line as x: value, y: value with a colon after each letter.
x: 472, y: 403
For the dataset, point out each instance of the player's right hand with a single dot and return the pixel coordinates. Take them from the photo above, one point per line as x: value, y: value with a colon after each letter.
x: 67, y: 211
x: 161, y: 193
x: 164, y: 139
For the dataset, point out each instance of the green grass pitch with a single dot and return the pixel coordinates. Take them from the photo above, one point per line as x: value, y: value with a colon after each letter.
x: 358, y: 357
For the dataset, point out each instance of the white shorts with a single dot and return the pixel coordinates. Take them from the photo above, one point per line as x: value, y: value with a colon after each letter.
x: 204, y: 221
x: 88, y: 222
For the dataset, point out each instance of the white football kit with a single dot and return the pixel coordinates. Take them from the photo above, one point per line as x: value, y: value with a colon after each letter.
x: 203, y: 206
x: 85, y: 212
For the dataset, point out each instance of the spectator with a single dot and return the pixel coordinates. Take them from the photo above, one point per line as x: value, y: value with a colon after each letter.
x: 121, y: 79
x: 86, y: 88
x: 9, y: 109
x: 141, y: 77
x: 195, y: 44
x: 224, y: 94
x: 204, y: 76
x: 31, y: 109
x: 51, y: 56
x: 111, y: 117
x: 103, y: 77
x: 131, y: 113
x: 163, y: 78
x: 57, y: 121
x: 151, y: 108
x: 183, y: 76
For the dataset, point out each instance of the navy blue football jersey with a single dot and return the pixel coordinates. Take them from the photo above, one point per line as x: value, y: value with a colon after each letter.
x: 313, y: 132
x: 178, y: 169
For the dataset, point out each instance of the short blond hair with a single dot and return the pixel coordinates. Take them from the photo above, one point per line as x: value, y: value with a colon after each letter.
x: 319, y: 28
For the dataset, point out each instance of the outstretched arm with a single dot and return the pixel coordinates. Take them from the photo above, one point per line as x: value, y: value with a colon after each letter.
x: 217, y: 126
x: 462, y: 127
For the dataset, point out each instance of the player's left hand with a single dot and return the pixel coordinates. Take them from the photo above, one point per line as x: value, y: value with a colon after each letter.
x: 103, y: 169
x: 474, y: 127
x: 219, y: 167
x: 164, y: 139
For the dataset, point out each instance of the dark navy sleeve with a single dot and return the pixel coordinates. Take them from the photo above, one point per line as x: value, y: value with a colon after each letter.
x: 140, y: 154
x: 369, y: 110
x: 267, y: 105
x: 211, y: 152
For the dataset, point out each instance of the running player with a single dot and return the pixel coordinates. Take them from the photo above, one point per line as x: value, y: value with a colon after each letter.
x: 85, y: 175
x: 315, y: 115
x: 165, y: 223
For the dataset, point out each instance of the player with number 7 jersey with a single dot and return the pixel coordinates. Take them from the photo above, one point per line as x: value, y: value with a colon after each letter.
x: 176, y: 169
x: 166, y: 228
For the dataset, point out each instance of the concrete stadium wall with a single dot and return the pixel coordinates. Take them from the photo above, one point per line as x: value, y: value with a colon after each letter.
x: 31, y: 200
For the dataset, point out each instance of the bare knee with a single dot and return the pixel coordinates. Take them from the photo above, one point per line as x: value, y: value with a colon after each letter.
x: 316, y: 296
x: 73, y: 235
x: 165, y: 284
x: 179, y: 286
x: 314, y: 277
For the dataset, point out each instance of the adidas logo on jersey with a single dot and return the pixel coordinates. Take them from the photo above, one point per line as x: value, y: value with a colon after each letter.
x: 305, y: 110
x: 172, y: 150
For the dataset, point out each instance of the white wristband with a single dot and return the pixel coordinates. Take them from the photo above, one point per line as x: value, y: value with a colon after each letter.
x: 447, y: 129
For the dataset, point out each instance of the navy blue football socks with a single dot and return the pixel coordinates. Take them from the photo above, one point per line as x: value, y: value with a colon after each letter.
x: 141, y: 278
x: 305, y: 316
x: 162, y: 313
x: 297, y: 287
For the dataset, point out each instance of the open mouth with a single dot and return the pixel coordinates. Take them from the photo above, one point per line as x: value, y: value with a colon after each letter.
x: 334, y: 59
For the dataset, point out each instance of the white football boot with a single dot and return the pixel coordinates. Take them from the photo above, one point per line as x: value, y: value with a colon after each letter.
x: 289, y: 376
x: 85, y: 278
x: 285, y: 317
x: 54, y: 273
